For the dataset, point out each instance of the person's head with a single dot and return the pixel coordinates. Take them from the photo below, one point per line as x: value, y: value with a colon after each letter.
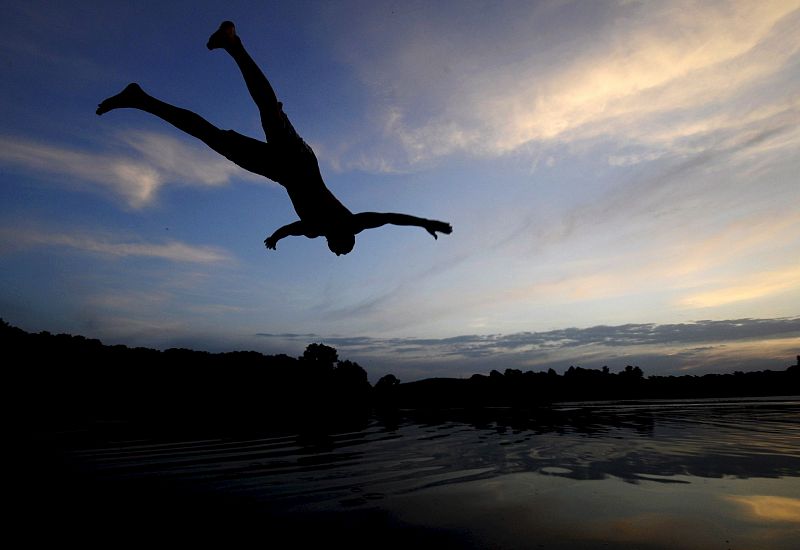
x: 341, y: 242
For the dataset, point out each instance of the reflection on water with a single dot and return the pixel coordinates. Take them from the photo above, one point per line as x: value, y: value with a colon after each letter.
x: 770, y: 508
x: 686, y: 474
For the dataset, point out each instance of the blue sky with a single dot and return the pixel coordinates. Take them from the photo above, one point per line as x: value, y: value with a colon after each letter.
x: 621, y: 176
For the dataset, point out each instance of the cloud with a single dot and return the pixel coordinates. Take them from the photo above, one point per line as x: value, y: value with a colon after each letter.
x: 645, y: 74
x: 630, y: 160
x: 630, y: 262
x: 179, y: 162
x: 757, y: 286
x: 135, y: 183
x: 161, y: 160
x: 388, y: 298
x: 708, y: 345
x: 113, y: 246
x: 648, y: 74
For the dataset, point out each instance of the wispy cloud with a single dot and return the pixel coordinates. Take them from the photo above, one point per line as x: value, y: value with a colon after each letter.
x: 757, y: 286
x: 185, y: 164
x: 112, y: 246
x: 638, y: 73
x: 136, y: 179
x: 135, y: 183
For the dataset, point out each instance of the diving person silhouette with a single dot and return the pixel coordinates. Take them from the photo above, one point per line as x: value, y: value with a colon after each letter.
x: 284, y: 157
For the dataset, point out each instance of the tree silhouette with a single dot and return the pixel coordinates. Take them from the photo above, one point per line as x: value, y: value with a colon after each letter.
x: 320, y: 354
x: 387, y: 382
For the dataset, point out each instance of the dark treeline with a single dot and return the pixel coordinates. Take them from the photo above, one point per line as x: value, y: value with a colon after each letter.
x: 71, y: 379
x: 515, y: 388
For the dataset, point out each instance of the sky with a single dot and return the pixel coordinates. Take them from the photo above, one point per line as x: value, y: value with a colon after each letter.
x: 621, y: 177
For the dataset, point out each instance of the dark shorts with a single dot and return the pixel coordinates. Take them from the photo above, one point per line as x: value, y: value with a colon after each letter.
x: 286, y: 159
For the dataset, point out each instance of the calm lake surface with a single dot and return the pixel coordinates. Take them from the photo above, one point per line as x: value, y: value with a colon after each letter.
x: 680, y: 474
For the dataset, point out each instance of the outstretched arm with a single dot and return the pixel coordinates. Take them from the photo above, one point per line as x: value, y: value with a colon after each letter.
x: 297, y: 229
x: 369, y: 220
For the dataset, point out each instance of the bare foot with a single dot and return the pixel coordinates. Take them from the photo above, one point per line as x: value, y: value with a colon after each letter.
x: 223, y: 37
x: 131, y: 96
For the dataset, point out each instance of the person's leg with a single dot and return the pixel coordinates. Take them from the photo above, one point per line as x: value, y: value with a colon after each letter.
x: 252, y: 155
x: 274, y: 122
x: 134, y: 97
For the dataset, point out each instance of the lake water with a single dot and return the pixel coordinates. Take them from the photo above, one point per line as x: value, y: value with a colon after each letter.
x: 680, y: 474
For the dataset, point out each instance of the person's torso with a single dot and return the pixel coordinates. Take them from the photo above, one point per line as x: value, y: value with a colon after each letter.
x: 298, y: 172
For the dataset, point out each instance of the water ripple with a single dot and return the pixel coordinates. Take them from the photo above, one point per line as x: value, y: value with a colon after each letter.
x: 634, y: 442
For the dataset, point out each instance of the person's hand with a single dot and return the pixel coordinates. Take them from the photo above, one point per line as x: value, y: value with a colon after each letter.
x: 271, y: 242
x: 432, y: 226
